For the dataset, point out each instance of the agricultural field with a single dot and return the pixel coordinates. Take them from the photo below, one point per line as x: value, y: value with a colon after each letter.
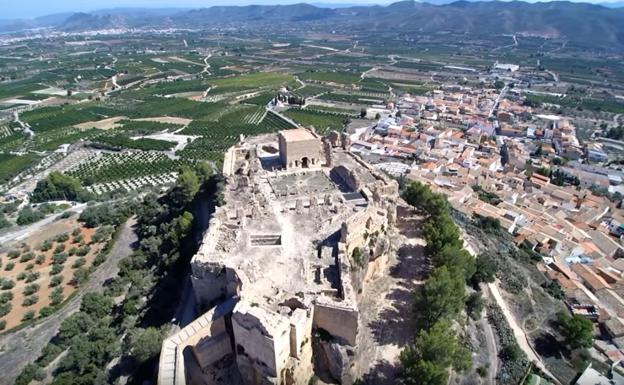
x: 339, y: 77
x: 360, y: 98
x: 261, y: 100
x: 121, y: 141
x: 110, y: 167
x: 321, y: 121
x: 311, y: 90
x: 42, y: 271
x: 263, y: 80
x: 51, y: 118
x: 216, y: 137
x: 11, y: 165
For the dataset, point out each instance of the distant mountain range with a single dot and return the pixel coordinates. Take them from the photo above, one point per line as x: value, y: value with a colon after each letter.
x: 585, y: 24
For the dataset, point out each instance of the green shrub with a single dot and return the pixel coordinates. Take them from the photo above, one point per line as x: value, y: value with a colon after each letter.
x: 29, y: 373
x: 27, y: 216
x: 78, y: 263
x: 56, y: 296
x: 5, y: 308
x: 30, y: 289
x: 49, y: 353
x: 32, y: 276
x: 80, y: 276
x: 56, y: 269
x: 56, y: 280
x: 6, y: 296
x: 59, y: 248
x: 46, y: 311
x: 46, y: 245
x: 2, y: 324
x: 6, y: 284
x: 30, y: 300
x: 59, y: 259
x: 62, y: 238
x: 27, y: 257
x: 9, y: 266
x: 99, y: 259
x: 40, y: 259
x: 13, y: 254
x: 83, y: 250
x: 30, y: 314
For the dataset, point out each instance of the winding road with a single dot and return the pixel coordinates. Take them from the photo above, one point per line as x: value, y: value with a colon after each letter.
x: 19, y: 348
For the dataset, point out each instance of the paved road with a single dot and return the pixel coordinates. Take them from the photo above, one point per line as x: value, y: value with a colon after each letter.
x: 24, y: 346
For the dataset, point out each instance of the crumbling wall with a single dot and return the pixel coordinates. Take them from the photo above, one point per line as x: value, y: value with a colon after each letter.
x: 357, y: 229
x: 335, y: 359
x: 339, y: 320
x: 213, y: 281
x: 208, y: 338
x: 348, y: 176
x: 262, y: 341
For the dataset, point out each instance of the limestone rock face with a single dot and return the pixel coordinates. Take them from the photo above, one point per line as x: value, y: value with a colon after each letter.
x: 338, y: 361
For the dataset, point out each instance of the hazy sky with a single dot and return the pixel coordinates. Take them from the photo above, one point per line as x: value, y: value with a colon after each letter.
x: 33, y: 8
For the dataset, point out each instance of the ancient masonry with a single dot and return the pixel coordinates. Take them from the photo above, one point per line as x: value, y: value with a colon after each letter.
x: 277, y: 277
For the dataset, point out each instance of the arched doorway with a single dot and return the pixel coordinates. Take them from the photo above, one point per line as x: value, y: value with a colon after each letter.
x: 305, y: 162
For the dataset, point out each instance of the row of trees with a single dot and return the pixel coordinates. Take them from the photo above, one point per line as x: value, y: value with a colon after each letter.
x: 126, y: 320
x: 443, y: 298
x: 58, y: 186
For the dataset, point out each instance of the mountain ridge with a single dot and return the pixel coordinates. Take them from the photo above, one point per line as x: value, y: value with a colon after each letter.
x: 586, y: 24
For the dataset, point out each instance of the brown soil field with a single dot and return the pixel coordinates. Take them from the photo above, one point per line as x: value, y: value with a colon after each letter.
x: 33, y: 242
x: 104, y: 124
x: 166, y: 119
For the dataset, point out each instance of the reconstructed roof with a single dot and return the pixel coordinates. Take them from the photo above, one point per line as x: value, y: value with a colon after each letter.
x: 297, y: 135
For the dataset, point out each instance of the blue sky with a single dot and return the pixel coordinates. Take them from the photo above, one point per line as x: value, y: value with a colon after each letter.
x: 33, y: 8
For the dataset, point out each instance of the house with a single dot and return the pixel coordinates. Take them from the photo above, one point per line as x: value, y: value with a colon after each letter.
x: 593, y: 377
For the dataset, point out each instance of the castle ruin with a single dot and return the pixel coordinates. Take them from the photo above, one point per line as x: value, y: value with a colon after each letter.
x: 277, y: 276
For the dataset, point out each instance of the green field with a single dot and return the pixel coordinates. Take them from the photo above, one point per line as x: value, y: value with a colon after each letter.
x: 11, y: 165
x: 217, y: 137
x: 353, y: 98
x: 271, y: 80
x: 121, y: 141
x: 321, y: 121
x: 114, y: 167
x: 340, y: 77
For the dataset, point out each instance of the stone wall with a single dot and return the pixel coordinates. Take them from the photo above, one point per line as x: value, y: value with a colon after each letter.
x: 208, y: 338
x: 292, y: 153
x: 356, y: 230
x: 349, y: 177
x: 339, y: 320
x: 212, y: 282
x: 262, y: 341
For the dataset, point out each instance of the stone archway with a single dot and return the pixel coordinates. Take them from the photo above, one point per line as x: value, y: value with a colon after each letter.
x: 305, y: 162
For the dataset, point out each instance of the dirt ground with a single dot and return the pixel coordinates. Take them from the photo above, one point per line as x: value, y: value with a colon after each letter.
x: 14, y: 318
x: 386, y: 322
x: 104, y: 124
x: 166, y: 119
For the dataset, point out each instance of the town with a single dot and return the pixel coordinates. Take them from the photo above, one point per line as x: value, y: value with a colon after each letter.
x: 412, y: 193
